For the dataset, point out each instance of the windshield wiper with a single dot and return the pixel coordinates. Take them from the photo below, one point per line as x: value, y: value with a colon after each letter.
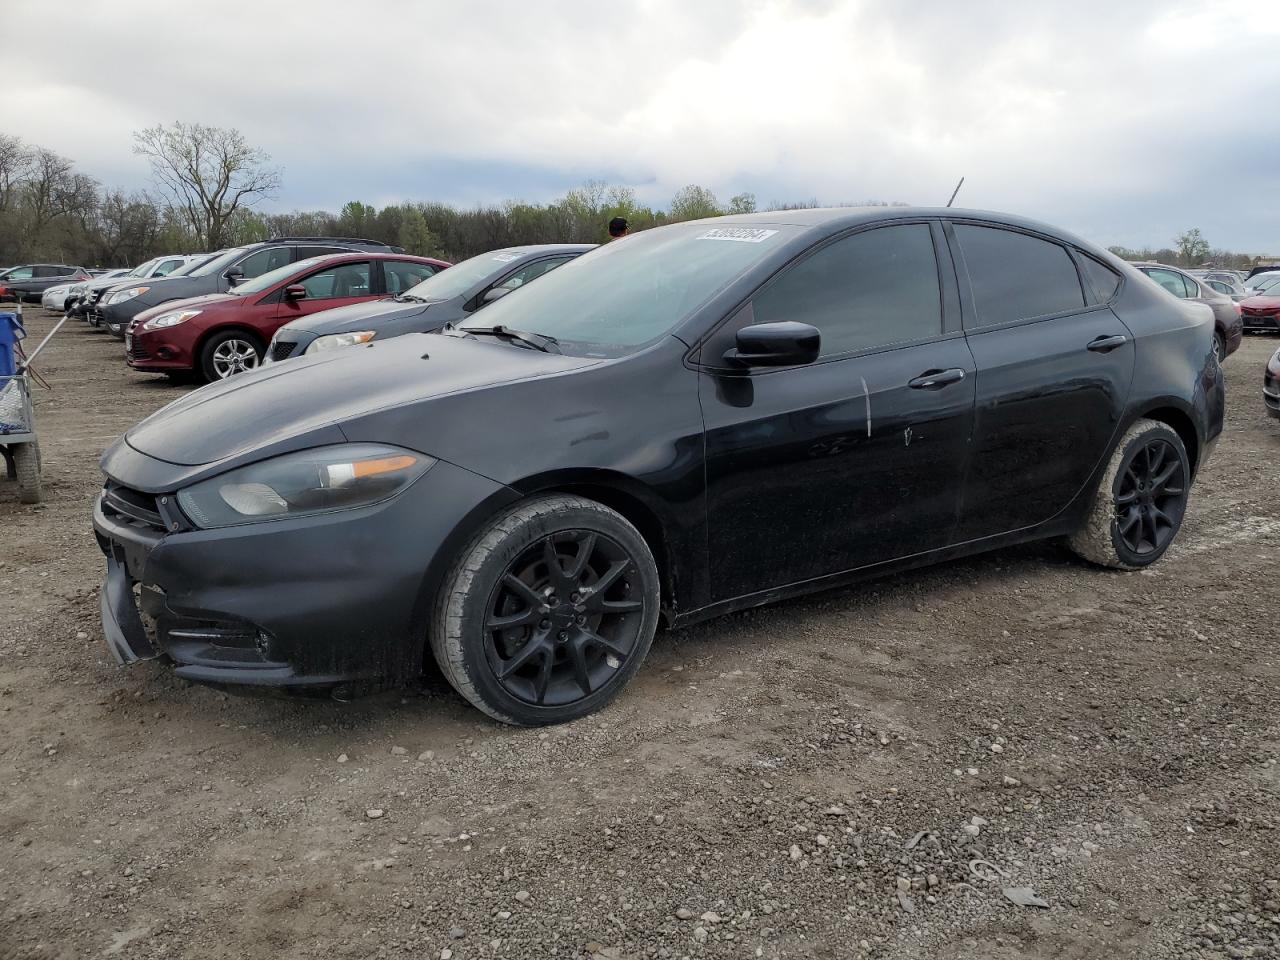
x: 403, y: 297
x: 539, y: 341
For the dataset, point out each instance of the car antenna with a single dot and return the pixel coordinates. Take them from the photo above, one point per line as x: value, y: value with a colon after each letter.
x: 955, y: 191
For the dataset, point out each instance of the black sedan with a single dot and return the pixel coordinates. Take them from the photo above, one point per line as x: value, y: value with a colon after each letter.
x: 694, y: 419
x: 448, y: 297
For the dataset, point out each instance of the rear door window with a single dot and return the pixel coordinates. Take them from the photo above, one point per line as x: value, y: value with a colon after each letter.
x: 1171, y: 281
x: 1015, y: 276
x: 20, y: 273
x: 344, y: 280
x: 872, y: 289
x: 400, y: 275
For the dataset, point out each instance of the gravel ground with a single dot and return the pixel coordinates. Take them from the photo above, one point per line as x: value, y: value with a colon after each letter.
x: 857, y: 774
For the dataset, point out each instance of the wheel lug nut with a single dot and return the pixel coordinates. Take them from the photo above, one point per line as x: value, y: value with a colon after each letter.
x: 582, y: 618
x: 545, y: 624
x: 563, y: 636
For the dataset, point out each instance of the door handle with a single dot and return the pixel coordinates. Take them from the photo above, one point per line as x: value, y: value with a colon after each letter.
x: 936, y: 379
x: 1107, y: 344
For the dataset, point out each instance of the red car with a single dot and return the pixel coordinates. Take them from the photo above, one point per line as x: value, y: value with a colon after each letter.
x: 222, y: 334
x: 1261, y: 312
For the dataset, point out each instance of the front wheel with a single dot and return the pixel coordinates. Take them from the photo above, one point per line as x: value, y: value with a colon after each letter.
x: 26, y: 468
x: 228, y: 353
x: 1138, y: 507
x: 1219, y: 347
x: 548, y: 612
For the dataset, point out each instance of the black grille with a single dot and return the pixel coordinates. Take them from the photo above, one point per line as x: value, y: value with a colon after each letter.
x: 137, y: 351
x: 282, y: 350
x: 132, y: 507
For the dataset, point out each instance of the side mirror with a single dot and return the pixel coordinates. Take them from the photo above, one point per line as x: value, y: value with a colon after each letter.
x: 781, y: 344
x: 295, y: 291
x: 496, y: 293
x: 234, y: 274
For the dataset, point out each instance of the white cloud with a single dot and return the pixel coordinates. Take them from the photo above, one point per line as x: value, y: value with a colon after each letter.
x: 1132, y: 118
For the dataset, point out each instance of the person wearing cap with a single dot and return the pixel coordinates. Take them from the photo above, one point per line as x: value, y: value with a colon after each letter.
x: 617, y: 228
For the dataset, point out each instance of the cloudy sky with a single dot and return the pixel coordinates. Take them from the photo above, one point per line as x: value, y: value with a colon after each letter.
x: 1125, y: 121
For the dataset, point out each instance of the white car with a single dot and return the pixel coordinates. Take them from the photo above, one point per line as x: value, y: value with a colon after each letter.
x: 59, y: 298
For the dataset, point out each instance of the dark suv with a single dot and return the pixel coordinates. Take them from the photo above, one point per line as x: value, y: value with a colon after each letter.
x: 29, y: 281
x: 120, y: 304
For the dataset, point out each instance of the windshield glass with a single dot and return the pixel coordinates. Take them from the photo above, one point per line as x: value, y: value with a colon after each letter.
x: 191, y: 265
x: 632, y: 291
x: 269, y: 279
x: 461, y: 277
x: 218, y: 262
x: 142, y: 268
x: 1265, y: 281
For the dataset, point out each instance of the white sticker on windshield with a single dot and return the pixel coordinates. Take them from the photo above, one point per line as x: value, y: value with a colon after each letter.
x: 507, y: 257
x: 740, y: 234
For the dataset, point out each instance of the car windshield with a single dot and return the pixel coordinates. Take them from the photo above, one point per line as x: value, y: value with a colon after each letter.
x: 217, y: 263
x: 191, y: 266
x: 461, y: 277
x: 142, y: 268
x: 266, y: 281
x: 1265, y: 281
x: 630, y: 292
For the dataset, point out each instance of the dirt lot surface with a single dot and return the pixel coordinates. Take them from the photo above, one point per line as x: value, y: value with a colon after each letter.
x: 856, y: 774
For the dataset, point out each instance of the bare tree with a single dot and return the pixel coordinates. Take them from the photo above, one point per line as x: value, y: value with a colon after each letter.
x: 208, y: 172
x: 15, y: 166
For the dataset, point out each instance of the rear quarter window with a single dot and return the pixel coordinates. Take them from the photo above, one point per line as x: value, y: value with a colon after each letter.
x: 1014, y: 276
x: 1101, y: 282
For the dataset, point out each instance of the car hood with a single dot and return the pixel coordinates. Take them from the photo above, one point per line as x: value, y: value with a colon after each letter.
x: 163, y: 289
x: 303, y: 403
x: 206, y: 302
x: 1265, y: 303
x: 355, y: 316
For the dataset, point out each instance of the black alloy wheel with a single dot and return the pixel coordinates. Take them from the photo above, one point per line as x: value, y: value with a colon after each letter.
x: 564, y: 618
x: 1150, y: 496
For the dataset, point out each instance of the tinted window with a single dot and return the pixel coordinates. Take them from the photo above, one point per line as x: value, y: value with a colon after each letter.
x: 867, y: 290
x: 1015, y: 277
x: 304, y: 252
x: 346, y: 280
x: 1171, y: 281
x: 167, y: 268
x: 531, y: 272
x: 401, y: 274
x: 47, y: 270
x: 1100, y: 282
x: 263, y: 260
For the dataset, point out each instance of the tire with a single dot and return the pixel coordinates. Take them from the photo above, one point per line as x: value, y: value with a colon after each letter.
x: 218, y: 356
x: 1111, y: 536
x: 1219, y: 347
x: 569, y: 656
x: 26, y: 463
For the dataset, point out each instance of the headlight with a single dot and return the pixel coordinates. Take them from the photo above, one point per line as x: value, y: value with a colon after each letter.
x: 120, y: 296
x: 335, y: 340
x: 304, y: 483
x: 171, y: 319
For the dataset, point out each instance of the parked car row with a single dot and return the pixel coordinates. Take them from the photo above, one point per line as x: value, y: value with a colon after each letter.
x: 29, y: 281
x: 216, y: 315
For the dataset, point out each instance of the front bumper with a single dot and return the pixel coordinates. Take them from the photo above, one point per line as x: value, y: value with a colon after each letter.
x: 314, y: 601
x: 156, y: 352
x: 1271, y: 388
x: 117, y: 316
x: 1269, y: 322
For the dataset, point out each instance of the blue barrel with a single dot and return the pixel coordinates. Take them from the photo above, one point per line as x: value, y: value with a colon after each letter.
x: 11, y: 331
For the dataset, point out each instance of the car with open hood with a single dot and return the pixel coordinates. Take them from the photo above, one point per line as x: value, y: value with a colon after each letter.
x: 699, y: 418
x: 445, y: 298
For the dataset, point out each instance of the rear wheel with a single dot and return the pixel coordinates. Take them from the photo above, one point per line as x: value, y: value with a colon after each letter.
x: 1139, y: 504
x: 548, y: 612
x: 228, y: 353
x: 1219, y: 347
